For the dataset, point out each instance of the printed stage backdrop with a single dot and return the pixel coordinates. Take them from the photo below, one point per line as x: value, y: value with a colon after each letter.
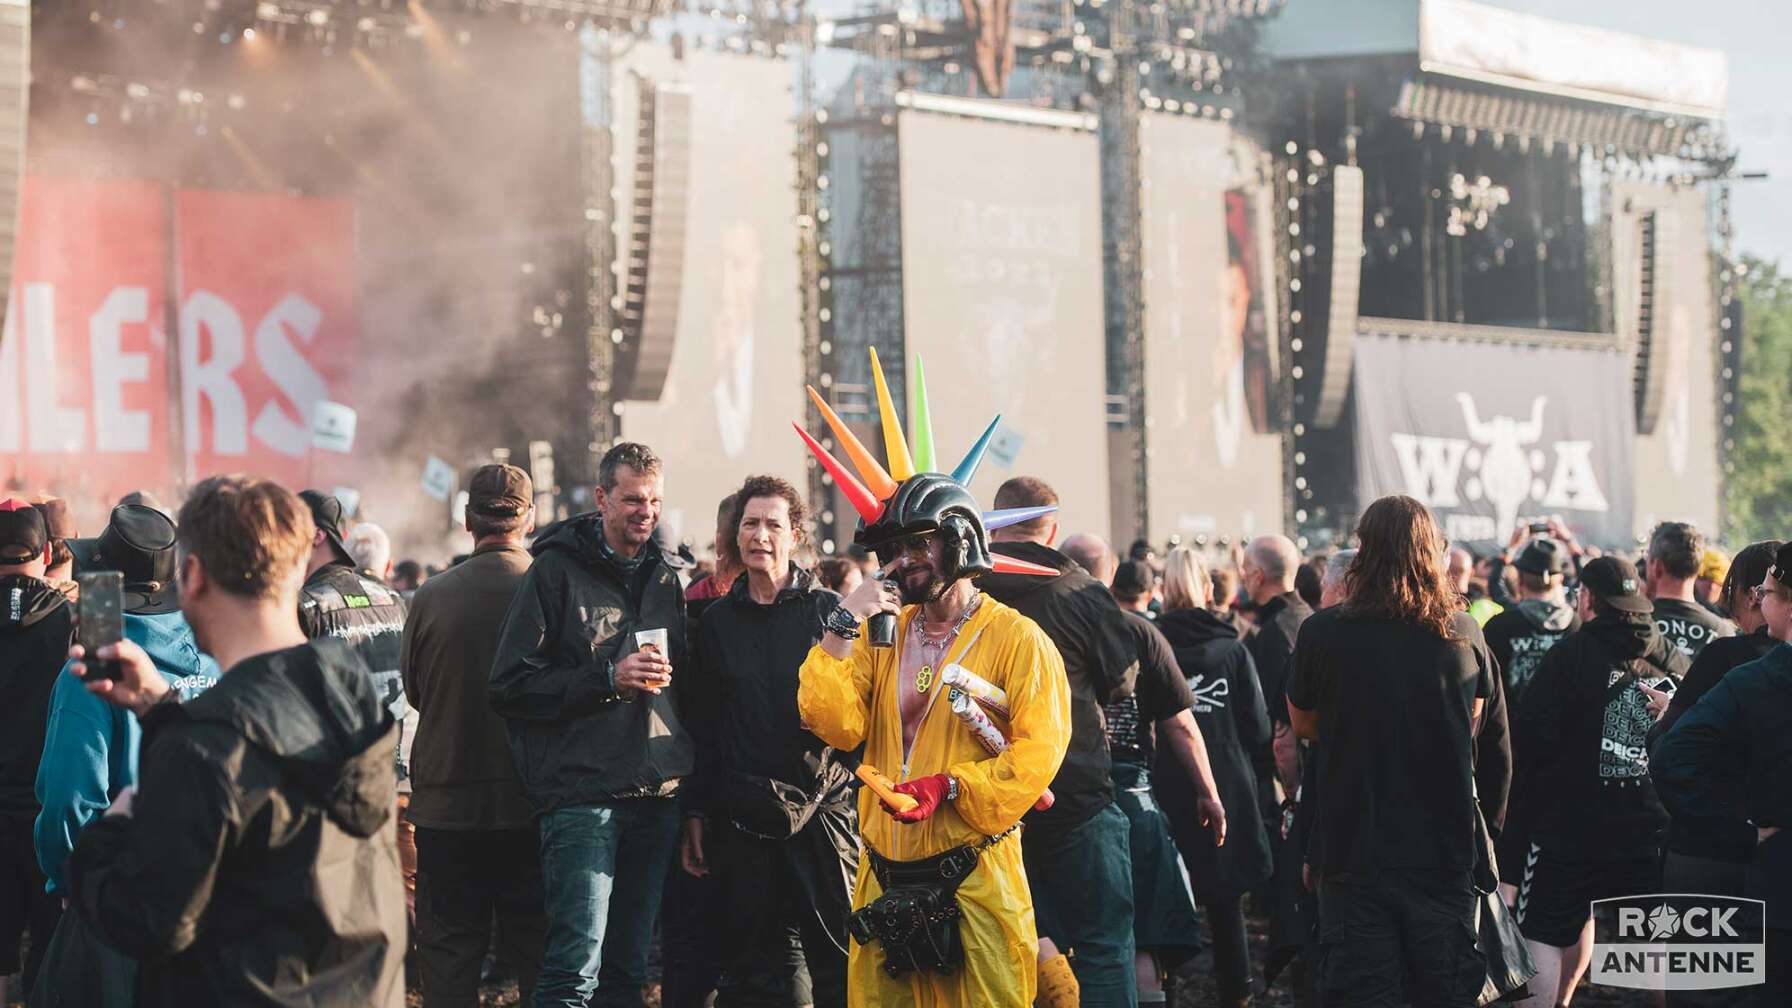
x: 1001, y: 279
x: 98, y: 397
x: 1485, y: 433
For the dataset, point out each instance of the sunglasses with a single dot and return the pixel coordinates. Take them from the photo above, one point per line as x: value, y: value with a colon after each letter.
x: 911, y: 544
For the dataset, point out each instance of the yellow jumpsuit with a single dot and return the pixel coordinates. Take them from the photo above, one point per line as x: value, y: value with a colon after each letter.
x: 855, y: 700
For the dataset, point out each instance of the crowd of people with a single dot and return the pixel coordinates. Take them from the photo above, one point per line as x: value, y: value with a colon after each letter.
x: 309, y: 775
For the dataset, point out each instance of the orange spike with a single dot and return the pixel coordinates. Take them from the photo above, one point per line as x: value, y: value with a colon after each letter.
x: 1008, y: 565
x: 876, y: 479
x: 866, y: 505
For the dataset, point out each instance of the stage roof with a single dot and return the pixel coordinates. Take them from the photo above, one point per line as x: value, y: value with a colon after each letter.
x: 1491, y: 45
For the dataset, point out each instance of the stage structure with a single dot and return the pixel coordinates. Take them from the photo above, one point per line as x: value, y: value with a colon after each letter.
x: 1518, y: 189
x: 1117, y: 64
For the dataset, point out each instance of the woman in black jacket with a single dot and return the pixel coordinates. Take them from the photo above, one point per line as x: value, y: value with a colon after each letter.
x: 770, y: 809
x: 1229, y: 709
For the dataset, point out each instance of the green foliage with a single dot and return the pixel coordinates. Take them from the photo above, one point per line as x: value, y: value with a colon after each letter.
x: 1759, y: 491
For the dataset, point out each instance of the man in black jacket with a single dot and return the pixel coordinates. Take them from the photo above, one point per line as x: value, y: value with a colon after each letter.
x: 1077, y: 852
x: 1591, y: 825
x: 769, y: 811
x: 1676, y: 550
x: 584, y: 678
x: 36, y: 625
x: 1267, y: 575
x: 1530, y: 625
x: 254, y: 862
x: 1725, y: 762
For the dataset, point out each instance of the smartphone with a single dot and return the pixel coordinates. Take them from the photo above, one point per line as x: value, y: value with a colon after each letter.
x: 1538, y: 528
x: 1665, y: 684
x: 99, y: 620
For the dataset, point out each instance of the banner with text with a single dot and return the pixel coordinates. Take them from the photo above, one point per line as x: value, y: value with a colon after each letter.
x: 1486, y: 433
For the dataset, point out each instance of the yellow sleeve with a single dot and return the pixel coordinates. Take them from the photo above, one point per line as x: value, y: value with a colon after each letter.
x: 833, y: 696
x: 994, y: 793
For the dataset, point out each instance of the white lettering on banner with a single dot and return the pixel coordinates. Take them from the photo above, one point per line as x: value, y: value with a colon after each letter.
x: 291, y: 373
x: 1502, y: 470
x: 1430, y: 466
x: 116, y: 429
x: 211, y: 377
x: 53, y: 427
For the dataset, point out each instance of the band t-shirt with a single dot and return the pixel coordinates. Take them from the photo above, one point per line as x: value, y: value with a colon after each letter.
x: 1690, y: 626
x: 1161, y: 693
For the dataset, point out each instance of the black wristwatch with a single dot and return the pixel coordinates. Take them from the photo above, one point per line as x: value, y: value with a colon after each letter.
x: 841, y: 624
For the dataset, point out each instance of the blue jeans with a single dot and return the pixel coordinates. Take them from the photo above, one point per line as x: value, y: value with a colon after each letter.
x: 601, y: 864
x: 1082, y: 897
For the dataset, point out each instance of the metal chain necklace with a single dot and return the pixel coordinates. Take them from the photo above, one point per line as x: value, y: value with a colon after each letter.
x: 932, y: 651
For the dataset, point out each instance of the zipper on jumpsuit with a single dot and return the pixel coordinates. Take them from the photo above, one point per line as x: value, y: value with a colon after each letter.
x: 909, y: 749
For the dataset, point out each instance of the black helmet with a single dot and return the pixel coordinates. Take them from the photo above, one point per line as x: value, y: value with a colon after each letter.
x: 933, y: 502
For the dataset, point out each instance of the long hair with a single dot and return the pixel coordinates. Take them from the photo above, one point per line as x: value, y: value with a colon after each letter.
x: 1186, y: 584
x: 1398, y: 572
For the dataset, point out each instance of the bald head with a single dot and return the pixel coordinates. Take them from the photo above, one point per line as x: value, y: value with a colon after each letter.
x: 1269, y: 566
x: 1091, y: 553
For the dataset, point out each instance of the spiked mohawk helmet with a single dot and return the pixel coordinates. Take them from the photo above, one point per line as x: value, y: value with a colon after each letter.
x: 910, y: 498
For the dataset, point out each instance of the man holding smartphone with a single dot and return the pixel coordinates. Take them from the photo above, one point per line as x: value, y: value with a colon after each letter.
x: 597, y: 738
x: 37, y: 624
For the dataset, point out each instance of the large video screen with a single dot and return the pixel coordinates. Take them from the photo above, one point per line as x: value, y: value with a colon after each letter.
x: 1213, y: 440
x: 1677, y: 476
x: 735, y: 381
x: 1001, y: 278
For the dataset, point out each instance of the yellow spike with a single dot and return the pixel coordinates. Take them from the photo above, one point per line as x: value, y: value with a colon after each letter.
x: 876, y: 480
x: 895, y: 445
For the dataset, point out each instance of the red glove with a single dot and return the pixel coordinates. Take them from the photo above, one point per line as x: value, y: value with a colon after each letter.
x: 928, y: 792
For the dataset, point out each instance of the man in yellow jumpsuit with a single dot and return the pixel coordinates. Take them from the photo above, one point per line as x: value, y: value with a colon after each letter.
x: 890, y: 699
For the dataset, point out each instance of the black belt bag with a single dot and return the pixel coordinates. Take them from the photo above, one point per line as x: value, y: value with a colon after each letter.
x: 916, y: 918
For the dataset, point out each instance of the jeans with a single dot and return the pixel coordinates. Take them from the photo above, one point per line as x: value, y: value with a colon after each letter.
x: 1163, y: 912
x: 600, y: 864
x: 1082, y: 897
x: 464, y: 877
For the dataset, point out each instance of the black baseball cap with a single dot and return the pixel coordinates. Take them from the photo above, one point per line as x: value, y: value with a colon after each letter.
x: 138, y: 542
x: 1781, y: 570
x: 1541, y: 556
x: 23, y: 534
x: 326, y: 513
x: 1133, y: 578
x: 1613, y: 580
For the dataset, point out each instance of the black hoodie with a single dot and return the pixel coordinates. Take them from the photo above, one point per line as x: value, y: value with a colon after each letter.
x: 1081, y: 617
x: 1581, y: 783
x: 37, y: 624
x: 258, y: 864
x: 1229, y: 708
x: 574, y: 739
x: 1522, y: 633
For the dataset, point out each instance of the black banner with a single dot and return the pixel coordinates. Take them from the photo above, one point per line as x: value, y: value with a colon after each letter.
x: 1485, y: 433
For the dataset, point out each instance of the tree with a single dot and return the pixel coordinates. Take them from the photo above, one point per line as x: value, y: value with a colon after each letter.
x: 1758, y: 494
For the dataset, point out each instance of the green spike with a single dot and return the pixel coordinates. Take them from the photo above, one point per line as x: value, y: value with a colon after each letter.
x: 920, y: 422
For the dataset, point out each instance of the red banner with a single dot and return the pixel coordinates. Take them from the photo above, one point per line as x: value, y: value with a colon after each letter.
x: 84, y: 403
x: 265, y: 329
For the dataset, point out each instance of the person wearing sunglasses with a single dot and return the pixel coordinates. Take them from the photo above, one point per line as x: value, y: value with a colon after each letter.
x: 1725, y: 761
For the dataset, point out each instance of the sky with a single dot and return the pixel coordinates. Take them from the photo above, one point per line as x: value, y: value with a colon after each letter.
x: 1753, y: 34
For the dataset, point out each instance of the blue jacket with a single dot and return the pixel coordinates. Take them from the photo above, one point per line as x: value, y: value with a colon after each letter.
x: 1726, y: 760
x: 91, y: 747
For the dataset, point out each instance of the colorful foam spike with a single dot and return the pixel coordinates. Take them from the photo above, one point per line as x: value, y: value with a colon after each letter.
x: 920, y: 420
x: 1009, y: 565
x: 866, y: 505
x: 876, y: 479
x: 967, y: 467
x: 895, y: 446
x: 993, y: 520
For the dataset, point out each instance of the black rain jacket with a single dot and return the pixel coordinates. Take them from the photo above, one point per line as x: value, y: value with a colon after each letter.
x: 574, y: 739
x: 259, y: 864
x: 37, y: 623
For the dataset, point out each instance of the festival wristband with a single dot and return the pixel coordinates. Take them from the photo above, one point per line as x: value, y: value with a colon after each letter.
x: 841, y: 624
